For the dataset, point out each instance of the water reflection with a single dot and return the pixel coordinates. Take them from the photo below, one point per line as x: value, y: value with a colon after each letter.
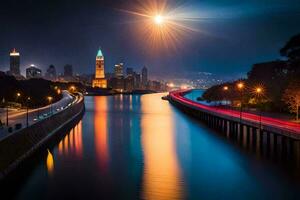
x: 100, y: 125
x: 50, y: 163
x: 72, y: 142
x: 163, y: 180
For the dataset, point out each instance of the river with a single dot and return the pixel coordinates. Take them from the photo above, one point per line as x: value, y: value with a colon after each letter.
x: 141, y: 147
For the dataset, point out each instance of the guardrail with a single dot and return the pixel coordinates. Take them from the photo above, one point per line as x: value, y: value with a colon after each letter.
x: 17, y: 147
x: 273, y: 134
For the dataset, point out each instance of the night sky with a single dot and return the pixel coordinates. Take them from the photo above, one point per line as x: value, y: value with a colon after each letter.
x: 232, y: 35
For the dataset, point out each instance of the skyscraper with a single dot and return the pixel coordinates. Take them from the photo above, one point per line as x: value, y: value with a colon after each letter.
x: 68, y: 70
x: 144, y: 76
x: 33, y: 72
x: 51, y: 73
x: 15, y: 62
x: 119, y: 70
x: 99, y: 80
x: 129, y: 71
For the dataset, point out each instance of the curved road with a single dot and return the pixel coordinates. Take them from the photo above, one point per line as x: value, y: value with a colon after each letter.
x: 19, y: 116
x: 281, y: 124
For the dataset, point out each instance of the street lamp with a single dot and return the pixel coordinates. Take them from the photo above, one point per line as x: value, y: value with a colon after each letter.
x: 240, y: 86
x: 225, y: 89
x: 28, y: 99
x: 50, y: 102
x: 18, y: 95
x: 72, y: 88
x: 6, y: 104
x: 258, y: 92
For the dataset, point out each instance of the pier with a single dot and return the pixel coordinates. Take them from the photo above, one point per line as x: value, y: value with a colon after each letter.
x: 265, y: 135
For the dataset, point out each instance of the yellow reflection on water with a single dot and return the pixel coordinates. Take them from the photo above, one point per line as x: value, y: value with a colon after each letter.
x: 162, y: 176
x: 72, y: 142
x: 50, y: 163
x: 100, y: 125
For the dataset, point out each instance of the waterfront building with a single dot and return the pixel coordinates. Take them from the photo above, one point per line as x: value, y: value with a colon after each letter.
x: 14, y: 63
x: 119, y: 70
x: 99, y: 80
x: 33, y: 72
x: 117, y: 83
x: 137, y: 80
x: 51, y: 73
x: 144, y: 76
x: 129, y: 83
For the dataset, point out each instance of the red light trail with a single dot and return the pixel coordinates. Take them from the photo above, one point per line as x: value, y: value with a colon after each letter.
x: 277, y: 123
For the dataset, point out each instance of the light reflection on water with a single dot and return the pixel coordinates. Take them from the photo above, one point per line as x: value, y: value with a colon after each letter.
x: 50, y: 163
x: 161, y: 176
x: 72, y: 143
x: 101, y: 139
x: 140, y: 147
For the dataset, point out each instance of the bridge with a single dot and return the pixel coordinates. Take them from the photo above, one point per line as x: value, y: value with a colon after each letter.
x: 262, y: 133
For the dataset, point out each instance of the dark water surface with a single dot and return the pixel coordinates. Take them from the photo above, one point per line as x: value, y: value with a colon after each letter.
x: 141, y: 147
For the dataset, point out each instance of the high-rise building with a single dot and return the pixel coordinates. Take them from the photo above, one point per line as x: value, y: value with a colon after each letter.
x: 119, y: 70
x: 51, y: 73
x: 33, y: 72
x: 14, y: 63
x: 99, y: 80
x: 68, y: 70
x: 144, y: 76
x: 137, y: 80
x: 129, y: 83
x: 129, y: 71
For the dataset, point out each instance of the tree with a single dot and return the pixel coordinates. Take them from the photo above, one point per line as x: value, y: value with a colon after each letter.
x: 291, y: 97
x: 292, y: 48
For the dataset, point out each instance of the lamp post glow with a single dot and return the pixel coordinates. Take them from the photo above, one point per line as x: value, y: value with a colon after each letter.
x: 27, y: 108
x: 72, y: 88
x: 258, y: 92
x: 241, y: 87
x: 225, y: 88
x: 50, y: 102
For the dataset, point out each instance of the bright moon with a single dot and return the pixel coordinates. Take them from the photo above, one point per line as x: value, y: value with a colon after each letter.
x: 158, y: 19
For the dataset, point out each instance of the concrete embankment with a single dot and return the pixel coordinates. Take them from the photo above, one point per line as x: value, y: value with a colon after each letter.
x: 15, y: 148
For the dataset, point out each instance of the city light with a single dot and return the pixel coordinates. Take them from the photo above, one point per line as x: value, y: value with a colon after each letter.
x: 225, y: 88
x: 18, y: 94
x: 72, y: 88
x: 184, y: 87
x: 171, y: 85
x: 258, y: 90
x: 240, y: 85
x: 49, y: 99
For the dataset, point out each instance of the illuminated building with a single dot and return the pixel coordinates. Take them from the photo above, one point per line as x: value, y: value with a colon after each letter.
x: 99, y: 80
x: 119, y: 70
x: 33, y: 72
x: 15, y: 63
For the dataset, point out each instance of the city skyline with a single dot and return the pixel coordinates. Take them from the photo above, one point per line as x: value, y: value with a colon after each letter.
x: 103, y: 23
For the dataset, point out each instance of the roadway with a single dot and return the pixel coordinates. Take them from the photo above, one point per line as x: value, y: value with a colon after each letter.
x: 16, y: 116
x: 268, y: 121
